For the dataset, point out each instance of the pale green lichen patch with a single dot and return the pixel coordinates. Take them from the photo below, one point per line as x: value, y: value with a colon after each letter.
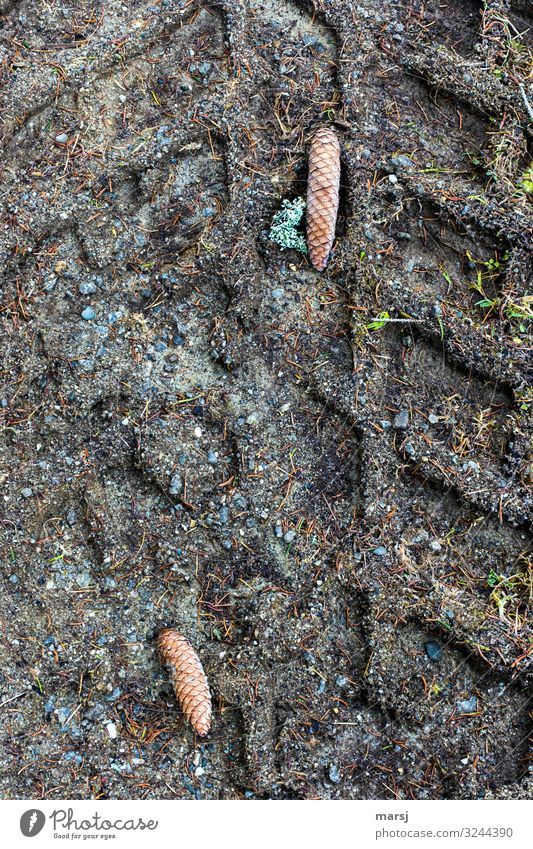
x: 283, y: 230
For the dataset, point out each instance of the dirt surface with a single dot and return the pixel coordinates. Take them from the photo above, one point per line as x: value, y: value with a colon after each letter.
x: 199, y: 430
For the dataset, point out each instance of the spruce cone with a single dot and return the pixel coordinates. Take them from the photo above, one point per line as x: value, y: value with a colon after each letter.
x: 322, y: 195
x: 188, y: 679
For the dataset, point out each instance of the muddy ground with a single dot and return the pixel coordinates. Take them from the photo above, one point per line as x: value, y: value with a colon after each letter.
x: 199, y: 430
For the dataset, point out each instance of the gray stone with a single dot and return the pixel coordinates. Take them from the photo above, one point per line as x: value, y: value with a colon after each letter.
x: 467, y: 705
x: 402, y: 161
x: 88, y: 314
x: 27, y: 492
x: 422, y: 536
x: 84, y: 579
x: 334, y: 774
x: 176, y: 484
x: 401, y: 420
x: 49, y: 705
x: 74, y: 757
x: 433, y: 651
x: 71, y: 517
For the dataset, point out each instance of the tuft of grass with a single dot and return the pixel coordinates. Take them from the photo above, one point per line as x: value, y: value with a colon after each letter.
x: 526, y: 181
x: 512, y: 594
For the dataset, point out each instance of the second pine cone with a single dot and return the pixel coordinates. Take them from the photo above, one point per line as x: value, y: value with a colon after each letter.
x: 188, y: 679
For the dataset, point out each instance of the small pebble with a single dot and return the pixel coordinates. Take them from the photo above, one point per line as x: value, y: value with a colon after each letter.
x: 73, y: 756
x: 62, y: 138
x: 467, y: 705
x: 71, y: 517
x: 422, y: 536
x: 49, y: 705
x: 433, y: 651
x: 176, y: 485
x: 401, y: 421
x: 27, y: 492
x: 84, y: 579
x: 334, y: 774
x: 88, y: 314
x: 112, y: 730
x: 435, y: 546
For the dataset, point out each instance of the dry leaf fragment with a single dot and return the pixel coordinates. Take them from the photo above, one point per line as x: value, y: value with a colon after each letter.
x: 188, y: 679
x: 322, y: 195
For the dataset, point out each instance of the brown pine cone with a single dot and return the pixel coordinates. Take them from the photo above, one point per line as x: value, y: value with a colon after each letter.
x: 322, y: 195
x: 188, y: 679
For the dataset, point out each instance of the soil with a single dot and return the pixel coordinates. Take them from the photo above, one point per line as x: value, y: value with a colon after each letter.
x: 323, y: 480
